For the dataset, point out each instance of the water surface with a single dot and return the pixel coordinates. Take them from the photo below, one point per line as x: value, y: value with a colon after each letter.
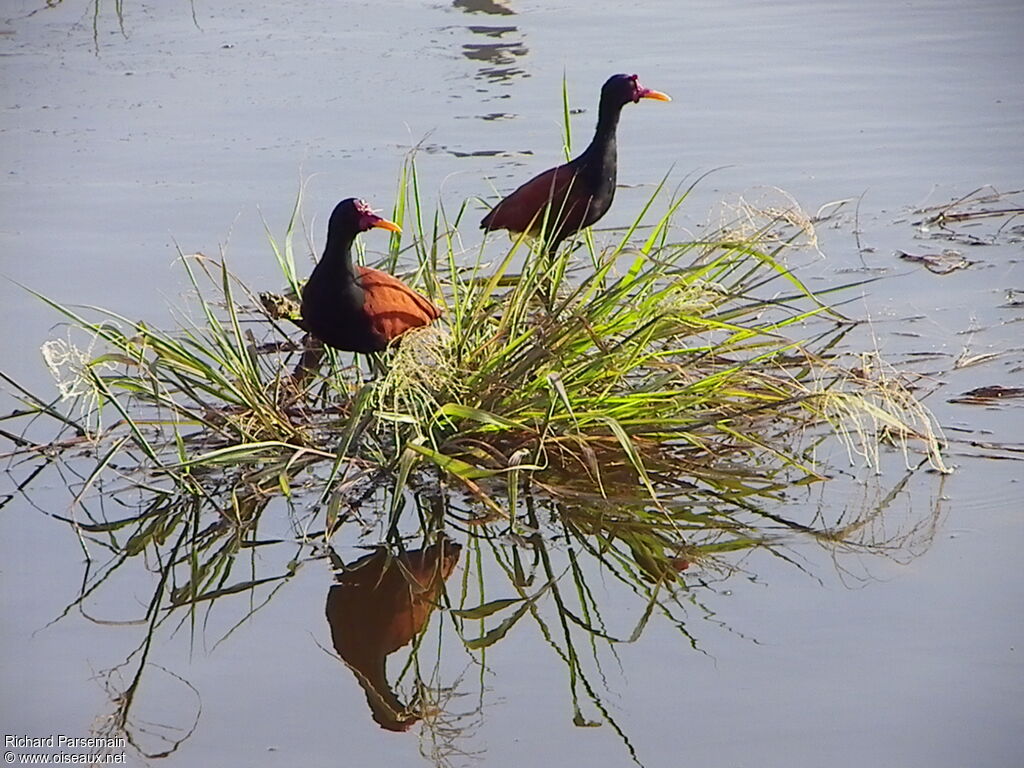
x: 190, y: 122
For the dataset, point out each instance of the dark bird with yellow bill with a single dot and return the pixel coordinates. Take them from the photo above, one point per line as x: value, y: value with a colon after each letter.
x: 355, y: 308
x: 563, y: 200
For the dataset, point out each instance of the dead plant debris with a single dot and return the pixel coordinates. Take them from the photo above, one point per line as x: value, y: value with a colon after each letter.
x: 988, y: 395
x: 939, y: 263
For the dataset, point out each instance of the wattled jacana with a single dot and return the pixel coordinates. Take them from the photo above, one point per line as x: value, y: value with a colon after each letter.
x: 354, y: 308
x: 580, y: 192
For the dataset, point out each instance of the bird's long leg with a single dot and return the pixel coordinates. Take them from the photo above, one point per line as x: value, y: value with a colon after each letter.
x: 376, y: 364
x: 551, y: 276
x: 308, y: 366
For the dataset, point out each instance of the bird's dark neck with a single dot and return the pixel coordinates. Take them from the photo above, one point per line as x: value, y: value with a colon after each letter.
x: 601, y: 152
x: 337, y: 258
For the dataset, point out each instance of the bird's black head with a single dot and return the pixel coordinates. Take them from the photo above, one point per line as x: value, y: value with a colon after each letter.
x: 354, y: 215
x: 619, y: 90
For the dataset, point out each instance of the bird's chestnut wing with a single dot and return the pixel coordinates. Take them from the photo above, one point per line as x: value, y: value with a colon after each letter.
x: 391, y: 306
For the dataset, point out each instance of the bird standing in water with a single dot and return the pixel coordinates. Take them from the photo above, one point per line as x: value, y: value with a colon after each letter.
x: 355, y: 308
x: 565, y: 199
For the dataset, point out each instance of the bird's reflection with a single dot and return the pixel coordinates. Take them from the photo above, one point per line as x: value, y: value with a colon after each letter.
x: 378, y: 605
x: 483, y: 6
x: 498, y: 58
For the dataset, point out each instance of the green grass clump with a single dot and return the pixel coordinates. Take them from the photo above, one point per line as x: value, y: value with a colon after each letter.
x: 671, y: 350
x: 584, y: 370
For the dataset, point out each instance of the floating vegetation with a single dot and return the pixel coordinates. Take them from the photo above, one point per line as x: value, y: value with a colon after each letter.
x: 985, y: 216
x: 641, y: 411
x: 988, y: 395
x: 939, y: 263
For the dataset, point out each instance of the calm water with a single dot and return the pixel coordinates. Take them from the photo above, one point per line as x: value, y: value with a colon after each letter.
x: 189, y: 123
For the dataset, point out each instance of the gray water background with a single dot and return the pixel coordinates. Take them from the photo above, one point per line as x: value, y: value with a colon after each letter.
x: 183, y: 129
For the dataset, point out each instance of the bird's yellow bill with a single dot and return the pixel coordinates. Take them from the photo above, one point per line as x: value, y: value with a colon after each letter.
x: 390, y: 226
x: 656, y: 95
